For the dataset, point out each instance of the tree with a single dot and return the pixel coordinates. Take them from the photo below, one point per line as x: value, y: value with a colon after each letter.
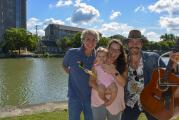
x: 76, y: 40
x: 168, y: 37
x: 31, y: 41
x: 64, y: 43
x: 103, y: 41
x: 118, y: 36
x: 17, y: 38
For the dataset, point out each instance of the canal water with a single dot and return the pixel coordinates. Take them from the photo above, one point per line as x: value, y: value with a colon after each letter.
x: 28, y: 81
x: 32, y: 81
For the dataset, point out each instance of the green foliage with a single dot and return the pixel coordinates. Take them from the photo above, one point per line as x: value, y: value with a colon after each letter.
x: 46, y: 54
x: 164, y: 45
x: 76, y: 40
x: 118, y: 36
x: 56, y: 115
x: 64, y: 43
x: 159, y: 46
x: 16, y: 38
x: 31, y: 41
x: 168, y: 37
x: 103, y: 41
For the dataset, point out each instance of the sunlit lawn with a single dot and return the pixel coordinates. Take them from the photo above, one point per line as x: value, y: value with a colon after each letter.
x: 56, y: 115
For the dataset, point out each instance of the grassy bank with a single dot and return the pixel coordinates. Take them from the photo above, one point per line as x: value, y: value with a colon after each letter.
x: 56, y: 115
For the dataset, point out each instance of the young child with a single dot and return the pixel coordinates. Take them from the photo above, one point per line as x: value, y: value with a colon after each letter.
x: 103, y: 107
x: 106, y: 82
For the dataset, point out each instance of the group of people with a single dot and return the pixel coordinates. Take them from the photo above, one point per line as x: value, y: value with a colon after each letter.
x: 110, y: 83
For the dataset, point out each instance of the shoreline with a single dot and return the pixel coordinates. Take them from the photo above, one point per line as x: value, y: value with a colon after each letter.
x: 33, y: 109
x: 32, y: 56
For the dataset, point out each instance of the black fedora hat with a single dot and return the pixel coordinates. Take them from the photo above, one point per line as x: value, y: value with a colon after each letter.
x: 136, y: 34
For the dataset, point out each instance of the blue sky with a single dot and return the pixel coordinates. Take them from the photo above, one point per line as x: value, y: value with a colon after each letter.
x: 110, y: 17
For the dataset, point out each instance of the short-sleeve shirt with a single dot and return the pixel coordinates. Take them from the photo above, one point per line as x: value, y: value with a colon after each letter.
x: 78, y: 84
x: 103, y: 77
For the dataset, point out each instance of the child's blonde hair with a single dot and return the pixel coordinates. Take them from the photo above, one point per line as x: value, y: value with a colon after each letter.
x: 101, y: 49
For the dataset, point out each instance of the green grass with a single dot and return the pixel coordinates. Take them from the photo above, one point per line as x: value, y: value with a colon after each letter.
x: 56, y: 115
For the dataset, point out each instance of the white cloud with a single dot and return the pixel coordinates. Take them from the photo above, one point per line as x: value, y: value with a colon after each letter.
x: 61, y: 3
x: 153, y: 36
x: 84, y: 13
x: 167, y: 22
x: 68, y: 19
x: 140, y: 8
x: 41, y: 25
x: 107, y: 29
x: 169, y: 6
x: 170, y: 19
x: 113, y: 28
x: 115, y: 14
x: 170, y: 24
x: 160, y: 6
x: 32, y: 22
x: 53, y: 21
x: 77, y: 2
x: 70, y: 23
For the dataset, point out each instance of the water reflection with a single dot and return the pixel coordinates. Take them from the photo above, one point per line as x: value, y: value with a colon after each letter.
x: 13, y: 81
x: 31, y: 81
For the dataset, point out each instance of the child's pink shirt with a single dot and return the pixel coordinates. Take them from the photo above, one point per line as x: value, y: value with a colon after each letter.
x: 106, y: 79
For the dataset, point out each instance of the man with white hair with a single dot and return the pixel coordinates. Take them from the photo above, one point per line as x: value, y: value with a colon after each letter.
x: 79, y: 91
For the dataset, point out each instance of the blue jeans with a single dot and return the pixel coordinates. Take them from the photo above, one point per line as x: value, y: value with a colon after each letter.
x: 133, y: 113
x: 75, y: 107
x: 101, y: 113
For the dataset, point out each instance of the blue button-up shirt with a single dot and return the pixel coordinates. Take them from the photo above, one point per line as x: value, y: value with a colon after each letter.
x: 78, y: 84
x: 150, y: 62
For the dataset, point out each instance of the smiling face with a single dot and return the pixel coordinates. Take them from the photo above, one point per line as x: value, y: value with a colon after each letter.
x: 114, y: 51
x: 89, y: 42
x: 135, y: 46
x: 101, y: 57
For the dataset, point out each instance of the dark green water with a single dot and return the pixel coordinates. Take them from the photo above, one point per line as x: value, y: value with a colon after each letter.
x: 31, y: 81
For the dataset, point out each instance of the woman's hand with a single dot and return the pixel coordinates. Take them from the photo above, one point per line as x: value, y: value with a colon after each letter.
x: 174, y: 57
x: 110, y: 68
x: 101, y: 92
